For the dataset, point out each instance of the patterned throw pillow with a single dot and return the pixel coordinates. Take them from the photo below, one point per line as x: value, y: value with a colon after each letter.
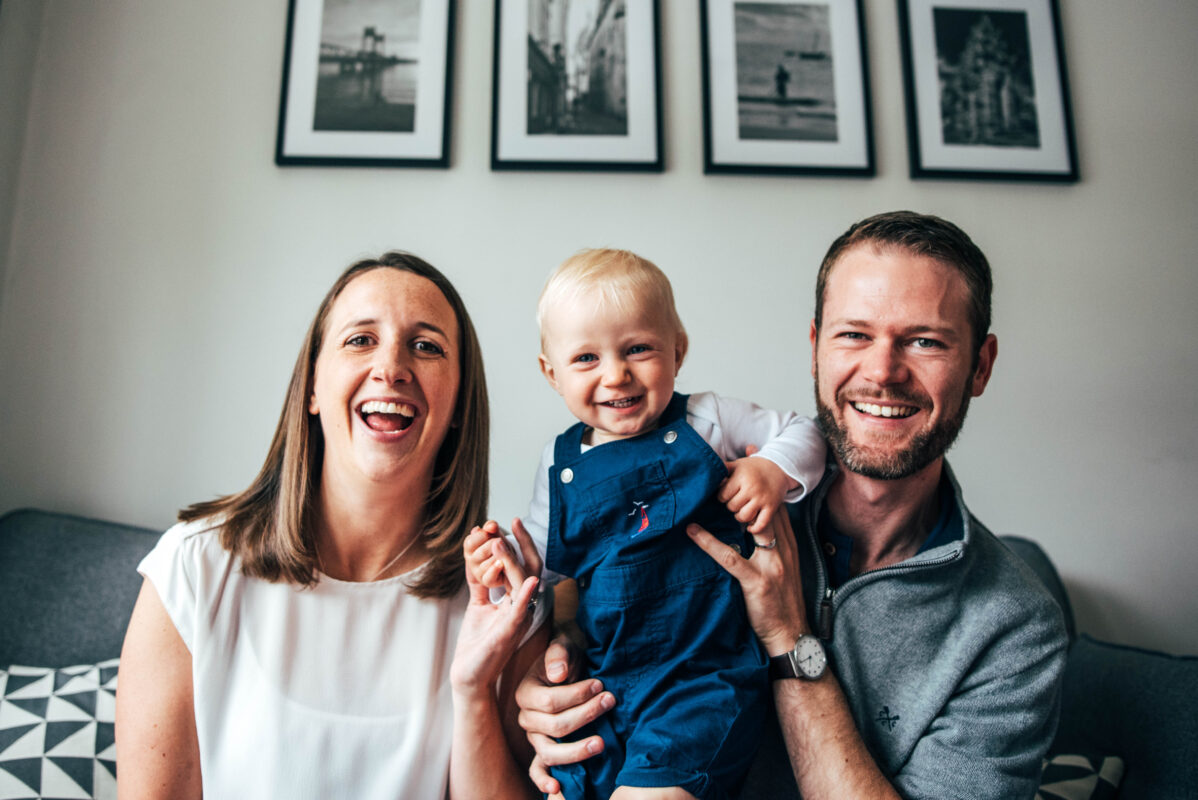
x: 56, y: 732
x: 1080, y: 777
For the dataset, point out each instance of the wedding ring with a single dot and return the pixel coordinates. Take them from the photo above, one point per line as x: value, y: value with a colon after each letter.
x: 532, y: 601
x: 770, y: 545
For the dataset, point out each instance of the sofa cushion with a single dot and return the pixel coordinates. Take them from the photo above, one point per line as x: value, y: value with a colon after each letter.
x: 56, y: 731
x: 1080, y: 777
x: 67, y: 587
x: 1138, y: 704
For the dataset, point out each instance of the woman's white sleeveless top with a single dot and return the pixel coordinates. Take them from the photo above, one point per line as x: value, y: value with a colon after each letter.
x: 338, y: 691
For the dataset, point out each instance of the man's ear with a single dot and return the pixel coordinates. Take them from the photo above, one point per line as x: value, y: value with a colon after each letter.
x: 814, y: 336
x: 681, y: 344
x: 985, y: 367
x: 547, y: 371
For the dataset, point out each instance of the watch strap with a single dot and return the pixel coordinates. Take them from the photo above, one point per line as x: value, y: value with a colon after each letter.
x: 783, y: 666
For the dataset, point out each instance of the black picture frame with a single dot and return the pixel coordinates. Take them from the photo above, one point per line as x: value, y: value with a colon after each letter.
x: 752, y: 52
x: 987, y: 90
x: 364, y: 91
x: 576, y: 86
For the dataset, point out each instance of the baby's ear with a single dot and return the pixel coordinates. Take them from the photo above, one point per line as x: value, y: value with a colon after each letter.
x: 547, y: 371
x: 681, y: 343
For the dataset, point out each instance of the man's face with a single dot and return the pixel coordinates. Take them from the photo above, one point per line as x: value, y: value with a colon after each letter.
x: 893, y: 361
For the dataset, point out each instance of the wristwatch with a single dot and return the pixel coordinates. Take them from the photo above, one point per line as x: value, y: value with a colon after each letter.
x: 807, y: 660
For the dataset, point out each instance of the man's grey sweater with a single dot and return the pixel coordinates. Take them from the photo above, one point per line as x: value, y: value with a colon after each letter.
x: 951, y: 662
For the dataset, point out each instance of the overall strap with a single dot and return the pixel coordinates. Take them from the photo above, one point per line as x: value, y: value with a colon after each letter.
x: 675, y: 411
x: 568, y: 445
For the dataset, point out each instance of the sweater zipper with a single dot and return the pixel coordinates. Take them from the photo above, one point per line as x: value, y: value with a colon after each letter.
x: 826, y: 614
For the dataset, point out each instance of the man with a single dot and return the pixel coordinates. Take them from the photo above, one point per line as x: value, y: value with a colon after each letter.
x: 944, y: 653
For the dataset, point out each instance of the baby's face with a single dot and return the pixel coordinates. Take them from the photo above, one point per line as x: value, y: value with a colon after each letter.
x: 615, y: 369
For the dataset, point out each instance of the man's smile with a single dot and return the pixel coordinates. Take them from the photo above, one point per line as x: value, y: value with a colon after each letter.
x: 889, y: 411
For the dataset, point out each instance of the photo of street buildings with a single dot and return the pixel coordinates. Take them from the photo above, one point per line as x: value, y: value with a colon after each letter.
x: 577, y: 67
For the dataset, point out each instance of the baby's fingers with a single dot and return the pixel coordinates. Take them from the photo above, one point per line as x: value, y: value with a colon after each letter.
x: 762, y: 521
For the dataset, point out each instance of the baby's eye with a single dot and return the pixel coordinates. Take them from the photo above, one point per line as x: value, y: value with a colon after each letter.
x: 639, y: 348
x: 586, y: 358
x: 429, y: 348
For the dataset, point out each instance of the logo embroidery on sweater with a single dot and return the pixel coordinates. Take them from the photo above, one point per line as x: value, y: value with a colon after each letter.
x: 643, y: 510
x: 884, y: 718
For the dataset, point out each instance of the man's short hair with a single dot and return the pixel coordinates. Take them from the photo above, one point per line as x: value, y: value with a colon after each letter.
x: 921, y: 235
x: 618, y: 279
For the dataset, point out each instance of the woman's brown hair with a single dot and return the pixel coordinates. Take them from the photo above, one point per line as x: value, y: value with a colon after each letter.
x: 269, y: 525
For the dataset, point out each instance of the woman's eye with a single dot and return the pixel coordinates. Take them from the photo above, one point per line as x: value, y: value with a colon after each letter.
x: 428, y: 348
x: 358, y: 340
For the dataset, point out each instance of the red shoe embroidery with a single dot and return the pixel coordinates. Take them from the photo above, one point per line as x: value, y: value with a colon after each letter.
x: 643, y: 508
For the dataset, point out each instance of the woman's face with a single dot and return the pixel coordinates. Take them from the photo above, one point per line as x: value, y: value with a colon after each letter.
x: 386, y: 378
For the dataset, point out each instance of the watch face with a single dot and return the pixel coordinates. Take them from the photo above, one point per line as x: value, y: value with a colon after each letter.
x: 810, y: 656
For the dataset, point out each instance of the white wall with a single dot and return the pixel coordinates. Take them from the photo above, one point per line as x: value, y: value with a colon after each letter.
x: 161, y: 272
x: 19, y: 29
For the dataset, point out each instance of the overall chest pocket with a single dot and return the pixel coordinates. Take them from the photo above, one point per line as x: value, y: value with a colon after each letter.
x: 635, y: 505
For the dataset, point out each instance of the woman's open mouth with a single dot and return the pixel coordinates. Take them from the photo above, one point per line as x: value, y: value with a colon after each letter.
x: 387, y: 417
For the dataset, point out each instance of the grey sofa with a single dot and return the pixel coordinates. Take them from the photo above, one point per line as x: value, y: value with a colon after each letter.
x: 68, y: 584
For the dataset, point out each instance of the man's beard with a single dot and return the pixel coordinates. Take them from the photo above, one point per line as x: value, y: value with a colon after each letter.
x: 926, y: 447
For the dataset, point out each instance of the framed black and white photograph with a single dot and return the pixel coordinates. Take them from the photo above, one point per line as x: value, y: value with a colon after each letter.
x: 576, y: 86
x: 366, y: 83
x: 785, y: 88
x: 987, y: 92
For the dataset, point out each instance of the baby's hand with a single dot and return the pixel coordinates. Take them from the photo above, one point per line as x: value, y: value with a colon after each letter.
x: 485, y: 567
x: 753, y: 490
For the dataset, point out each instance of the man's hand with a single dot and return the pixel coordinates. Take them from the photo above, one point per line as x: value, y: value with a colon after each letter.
x: 769, y: 579
x: 550, y: 709
x: 753, y: 490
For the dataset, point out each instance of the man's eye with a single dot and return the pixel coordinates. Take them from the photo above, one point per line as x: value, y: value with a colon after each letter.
x: 425, y: 347
x: 852, y: 335
x: 924, y: 343
x: 586, y: 358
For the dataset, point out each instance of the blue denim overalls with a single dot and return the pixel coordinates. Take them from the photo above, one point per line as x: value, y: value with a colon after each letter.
x: 665, y: 625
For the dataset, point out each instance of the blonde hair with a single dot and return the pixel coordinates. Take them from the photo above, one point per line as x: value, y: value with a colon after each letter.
x: 617, y: 279
x: 269, y: 525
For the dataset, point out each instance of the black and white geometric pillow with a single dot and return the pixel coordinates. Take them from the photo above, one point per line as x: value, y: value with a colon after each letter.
x: 1080, y: 777
x: 56, y: 732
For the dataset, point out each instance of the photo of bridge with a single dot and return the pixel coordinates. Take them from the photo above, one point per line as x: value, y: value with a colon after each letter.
x: 367, y: 73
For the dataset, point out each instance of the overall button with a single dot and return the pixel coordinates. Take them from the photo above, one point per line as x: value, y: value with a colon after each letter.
x: 567, y: 475
x: 670, y: 437
x: 829, y: 548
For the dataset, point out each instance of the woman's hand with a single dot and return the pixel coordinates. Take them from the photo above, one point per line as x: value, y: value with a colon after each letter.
x: 491, y: 632
x: 770, y: 581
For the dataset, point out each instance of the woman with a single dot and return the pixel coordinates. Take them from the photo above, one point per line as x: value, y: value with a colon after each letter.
x: 298, y: 639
